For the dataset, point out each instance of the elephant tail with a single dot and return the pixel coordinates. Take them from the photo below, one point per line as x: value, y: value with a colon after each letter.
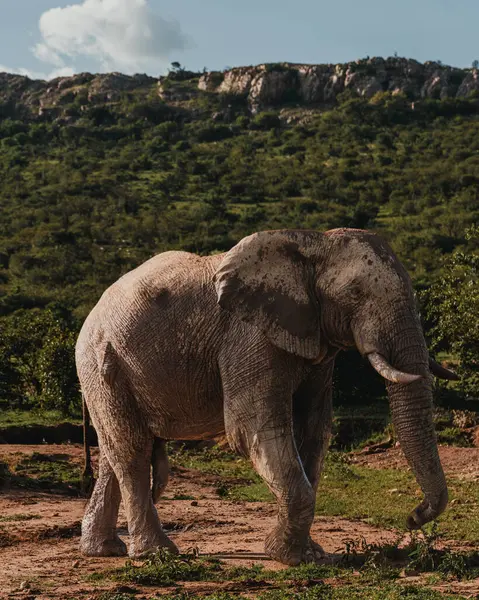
x: 88, y: 480
x: 107, y: 366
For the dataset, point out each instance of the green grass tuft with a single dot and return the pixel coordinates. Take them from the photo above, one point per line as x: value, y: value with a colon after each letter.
x: 24, y: 418
x: 18, y: 517
x: 164, y: 568
x: 43, y: 471
x: 366, y: 571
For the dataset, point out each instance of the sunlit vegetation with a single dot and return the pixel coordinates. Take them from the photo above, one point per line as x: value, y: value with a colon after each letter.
x: 89, y: 198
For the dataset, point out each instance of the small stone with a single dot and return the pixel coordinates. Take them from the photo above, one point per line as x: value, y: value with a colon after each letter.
x: 24, y: 585
x: 194, y: 503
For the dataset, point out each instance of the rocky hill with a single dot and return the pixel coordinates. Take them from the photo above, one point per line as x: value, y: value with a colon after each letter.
x: 268, y: 85
x: 100, y: 172
x: 261, y: 86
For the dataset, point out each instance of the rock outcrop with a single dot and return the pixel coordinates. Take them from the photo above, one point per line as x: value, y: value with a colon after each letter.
x: 48, y: 97
x: 269, y: 85
x: 262, y: 86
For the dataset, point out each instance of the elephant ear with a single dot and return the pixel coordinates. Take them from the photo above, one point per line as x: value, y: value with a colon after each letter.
x: 267, y: 280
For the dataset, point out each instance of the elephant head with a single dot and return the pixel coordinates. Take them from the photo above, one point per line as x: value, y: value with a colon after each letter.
x: 313, y: 293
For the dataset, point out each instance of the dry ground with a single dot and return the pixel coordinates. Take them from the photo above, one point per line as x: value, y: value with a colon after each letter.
x: 462, y: 463
x: 42, y: 558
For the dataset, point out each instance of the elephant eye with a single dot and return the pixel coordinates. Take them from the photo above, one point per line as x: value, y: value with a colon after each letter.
x: 355, y: 292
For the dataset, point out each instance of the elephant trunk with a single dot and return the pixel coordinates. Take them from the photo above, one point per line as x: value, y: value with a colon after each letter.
x: 412, y: 414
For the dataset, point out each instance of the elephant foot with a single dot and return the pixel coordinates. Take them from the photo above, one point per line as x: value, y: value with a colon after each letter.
x: 318, y: 551
x: 143, y: 547
x: 292, y: 551
x: 91, y: 546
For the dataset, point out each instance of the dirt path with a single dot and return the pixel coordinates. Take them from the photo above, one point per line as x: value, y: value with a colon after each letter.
x: 43, y: 561
x: 462, y: 463
x: 214, y: 526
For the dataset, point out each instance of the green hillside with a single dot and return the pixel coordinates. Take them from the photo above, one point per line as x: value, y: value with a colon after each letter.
x: 92, y: 186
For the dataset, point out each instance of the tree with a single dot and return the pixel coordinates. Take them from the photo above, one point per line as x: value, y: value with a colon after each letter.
x: 453, y: 305
x: 56, y: 371
x: 37, y: 362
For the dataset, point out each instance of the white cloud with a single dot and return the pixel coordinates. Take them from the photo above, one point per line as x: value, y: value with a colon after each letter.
x: 46, y: 54
x: 60, y: 72
x: 122, y: 35
x: 26, y: 72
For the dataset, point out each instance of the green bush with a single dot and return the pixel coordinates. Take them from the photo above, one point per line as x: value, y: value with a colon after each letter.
x: 37, y: 362
x: 453, y: 306
x: 85, y: 201
x: 265, y: 121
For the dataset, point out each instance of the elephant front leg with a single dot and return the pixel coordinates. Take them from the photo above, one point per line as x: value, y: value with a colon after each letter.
x: 313, y: 418
x: 276, y: 460
x: 269, y: 441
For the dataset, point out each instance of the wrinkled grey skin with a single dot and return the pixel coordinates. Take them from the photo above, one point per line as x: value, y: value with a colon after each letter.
x: 186, y: 347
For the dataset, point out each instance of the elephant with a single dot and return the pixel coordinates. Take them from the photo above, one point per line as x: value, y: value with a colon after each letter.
x: 189, y: 347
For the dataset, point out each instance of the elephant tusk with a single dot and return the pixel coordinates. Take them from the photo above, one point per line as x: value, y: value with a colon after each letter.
x: 441, y: 372
x: 381, y: 365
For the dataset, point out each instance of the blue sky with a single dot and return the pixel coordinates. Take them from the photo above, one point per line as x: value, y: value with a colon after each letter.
x: 45, y: 38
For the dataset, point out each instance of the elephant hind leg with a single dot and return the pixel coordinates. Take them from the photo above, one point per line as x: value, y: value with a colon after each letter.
x: 160, y: 467
x: 128, y: 446
x: 132, y: 467
x: 127, y: 442
x: 99, y: 536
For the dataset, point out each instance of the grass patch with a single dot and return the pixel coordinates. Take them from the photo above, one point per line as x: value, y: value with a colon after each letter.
x: 360, y: 426
x: 419, y: 555
x: 357, y: 592
x: 329, y: 592
x: 5, y: 538
x: 214, y: 461
x: 43, y: 471
x: 256, y: 491
x: 382, y: 497
x: 379, y: 497
x: 22, y: 418
x: 454, y: 436
x: 301, y: 574
x: 116, y: 596
x: 367, y: 571
x: 164, y: 568
x: 18, y: 517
